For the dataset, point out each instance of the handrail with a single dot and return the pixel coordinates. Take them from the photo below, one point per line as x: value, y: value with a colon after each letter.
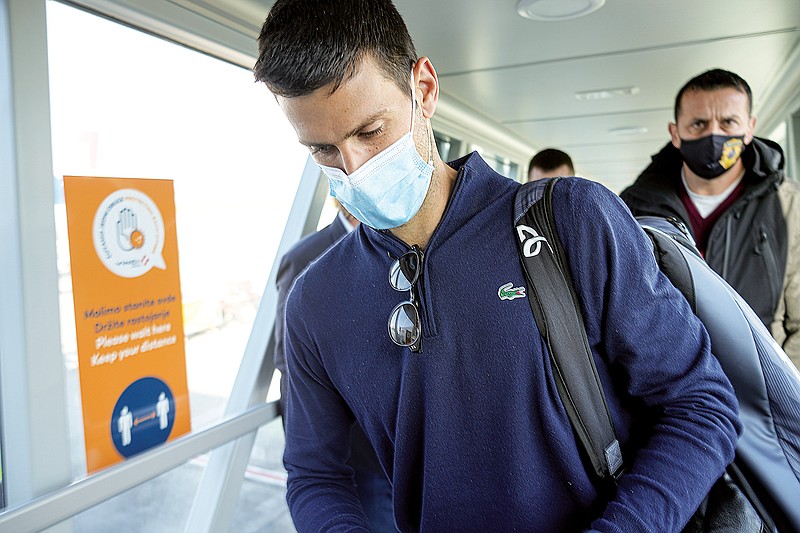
x: 59, y: 505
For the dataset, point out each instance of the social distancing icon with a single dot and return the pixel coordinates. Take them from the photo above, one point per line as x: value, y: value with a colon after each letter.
x: 143, y: 416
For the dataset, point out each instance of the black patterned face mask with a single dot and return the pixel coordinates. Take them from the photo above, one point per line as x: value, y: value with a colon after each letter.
x: 710, y: 156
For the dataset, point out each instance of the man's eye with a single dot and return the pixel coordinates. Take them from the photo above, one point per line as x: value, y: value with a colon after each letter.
x: 372, y: 133
x: 320, y: 150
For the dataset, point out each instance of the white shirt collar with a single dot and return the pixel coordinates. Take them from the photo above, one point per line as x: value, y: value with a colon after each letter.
x: 706, y: 204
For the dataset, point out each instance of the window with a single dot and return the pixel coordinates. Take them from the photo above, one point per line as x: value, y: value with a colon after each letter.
x: 126, y: 104
x: 501, y: 165
x: 449, y: 147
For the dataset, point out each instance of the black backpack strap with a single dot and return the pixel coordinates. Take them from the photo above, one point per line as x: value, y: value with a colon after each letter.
x: 557, y: 312
x: 667, y: 236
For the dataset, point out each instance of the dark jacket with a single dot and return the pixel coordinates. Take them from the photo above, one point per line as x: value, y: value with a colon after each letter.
x: 292, y: 264
x: 755, y: 244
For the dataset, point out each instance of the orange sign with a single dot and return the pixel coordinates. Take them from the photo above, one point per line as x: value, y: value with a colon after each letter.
x: 126, y: 286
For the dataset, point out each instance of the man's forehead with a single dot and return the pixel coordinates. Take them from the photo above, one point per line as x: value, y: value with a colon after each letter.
x: 722, y: 94
x: 727, y: 99
x: 324, y: 117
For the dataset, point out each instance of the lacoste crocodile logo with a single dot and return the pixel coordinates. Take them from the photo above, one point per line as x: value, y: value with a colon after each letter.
x: 509, y: 292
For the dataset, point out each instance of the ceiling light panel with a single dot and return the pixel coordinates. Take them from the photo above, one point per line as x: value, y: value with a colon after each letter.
x: 555, y: 10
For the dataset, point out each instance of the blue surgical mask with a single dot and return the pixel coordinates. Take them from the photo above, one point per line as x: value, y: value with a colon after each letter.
x: 388, y: 190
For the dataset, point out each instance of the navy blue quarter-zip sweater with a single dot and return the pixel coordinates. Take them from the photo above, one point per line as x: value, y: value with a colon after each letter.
x: 471, y: 431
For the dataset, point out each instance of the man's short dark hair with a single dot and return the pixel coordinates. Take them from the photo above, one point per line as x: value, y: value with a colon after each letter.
x: 550, y: 159
x: 714, y: 79
x: 307, y: 44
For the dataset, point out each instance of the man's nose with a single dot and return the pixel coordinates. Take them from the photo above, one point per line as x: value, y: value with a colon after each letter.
x: 352, y: 158
x: 715, y: 127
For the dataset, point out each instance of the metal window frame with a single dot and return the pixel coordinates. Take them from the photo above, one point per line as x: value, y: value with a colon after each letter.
x: 35, y: 439
x: 55, y: 507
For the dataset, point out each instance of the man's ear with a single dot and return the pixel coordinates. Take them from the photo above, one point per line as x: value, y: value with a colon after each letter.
x: 673, y: 133
x: 426, y: 87
x: 751, y: 128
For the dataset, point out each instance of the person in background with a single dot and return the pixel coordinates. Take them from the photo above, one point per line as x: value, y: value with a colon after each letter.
x: 372, y: 485
x: 729, y: 189
x: 408, y: 328
x: 550, y: 163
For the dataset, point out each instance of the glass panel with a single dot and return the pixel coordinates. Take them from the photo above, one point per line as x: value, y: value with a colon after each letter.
x: 500, y: 164
x: 793, y: 154
x: 161, y: 504
x: 783, y: 134
x: 262, y: 501
x: 780, y: 136
x: 328, y: 213
x: 126, y: 104
x: 449, y: 148
x: 164, y: 502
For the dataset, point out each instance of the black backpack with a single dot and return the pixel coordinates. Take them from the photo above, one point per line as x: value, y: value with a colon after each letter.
x: 760, y: 490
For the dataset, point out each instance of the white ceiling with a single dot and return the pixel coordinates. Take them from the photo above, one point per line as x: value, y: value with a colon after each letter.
x: 524, y: 74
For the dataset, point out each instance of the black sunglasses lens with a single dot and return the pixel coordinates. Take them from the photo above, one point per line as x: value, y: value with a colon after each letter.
x: 409, y: 264
x: 404, y: 324
x: 397, y: 279
x: 404, y: 271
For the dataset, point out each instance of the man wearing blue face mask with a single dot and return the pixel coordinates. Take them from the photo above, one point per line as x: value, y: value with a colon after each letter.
x: 416, y: 325
x: 729, y: 189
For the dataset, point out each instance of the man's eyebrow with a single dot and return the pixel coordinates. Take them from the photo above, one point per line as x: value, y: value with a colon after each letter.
x: 366, y: 122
